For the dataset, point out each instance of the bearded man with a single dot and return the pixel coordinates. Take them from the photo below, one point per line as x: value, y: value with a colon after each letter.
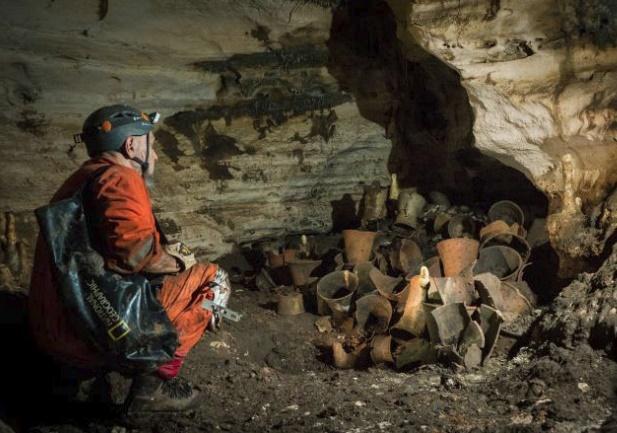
x: 120, y: 143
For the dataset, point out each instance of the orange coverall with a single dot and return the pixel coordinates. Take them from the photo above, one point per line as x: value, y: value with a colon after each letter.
x: 130, y: 242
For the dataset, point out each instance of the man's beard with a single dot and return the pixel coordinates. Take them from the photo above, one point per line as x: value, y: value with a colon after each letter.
x: 149, y: 181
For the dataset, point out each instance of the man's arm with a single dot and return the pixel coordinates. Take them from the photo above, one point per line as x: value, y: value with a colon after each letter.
x: 127, y: 225
x: 165, y: 264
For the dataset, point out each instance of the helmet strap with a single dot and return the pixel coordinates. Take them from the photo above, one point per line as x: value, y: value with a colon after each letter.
x: 144, y: 164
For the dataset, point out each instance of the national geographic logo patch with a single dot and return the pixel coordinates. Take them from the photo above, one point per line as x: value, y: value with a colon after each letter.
x: 116, y: 327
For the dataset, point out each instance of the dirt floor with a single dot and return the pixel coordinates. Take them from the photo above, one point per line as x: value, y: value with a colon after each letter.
x: 266, y: 373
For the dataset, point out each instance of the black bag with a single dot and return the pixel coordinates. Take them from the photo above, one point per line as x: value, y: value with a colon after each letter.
x: 119, y: 314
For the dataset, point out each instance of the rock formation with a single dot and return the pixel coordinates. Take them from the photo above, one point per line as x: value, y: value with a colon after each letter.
x: 258, y: 138
x: 540, y: 77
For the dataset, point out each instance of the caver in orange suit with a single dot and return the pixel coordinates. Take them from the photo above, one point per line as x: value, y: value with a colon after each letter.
x: 129, y: 241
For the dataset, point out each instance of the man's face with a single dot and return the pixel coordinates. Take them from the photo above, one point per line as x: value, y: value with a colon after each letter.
x: 141, y: 151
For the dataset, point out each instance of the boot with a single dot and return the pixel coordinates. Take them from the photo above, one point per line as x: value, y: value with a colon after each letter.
x: 150, y: 393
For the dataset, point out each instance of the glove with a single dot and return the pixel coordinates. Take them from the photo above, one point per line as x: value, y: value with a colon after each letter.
x: 221, y: 289
x: 182, y: 253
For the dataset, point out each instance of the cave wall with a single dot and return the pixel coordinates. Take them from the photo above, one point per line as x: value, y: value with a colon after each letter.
x: 540, y: 77
x: 258, y: 139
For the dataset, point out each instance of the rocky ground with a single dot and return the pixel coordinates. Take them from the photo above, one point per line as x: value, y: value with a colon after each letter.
x: 267, y: 373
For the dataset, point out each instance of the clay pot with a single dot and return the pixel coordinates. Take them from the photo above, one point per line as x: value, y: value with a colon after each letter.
x: 434, y: 265
x: 358, y: 245
x: 502, y: 261
x: 410, y: 206
x: 441, y: 220
x: 457, y: 255
x: 278, y: 260
x: 408, y: 257
x: 365, y: 285
x: 374, y: 203
x: 461, y: 226
x: 346, y: 360
x: 495, y: 228
x: 381, y: 350
x: 290, y: 304
x: 392, y: 288
x: 454, y: 289
x: 446, y: 323
x: 514, y: 241
x: 301, y: 269
x: 490, y: 322
x: 507, y: 211
x: 337, y: 289
x: 412, y: 322
x: 373, y: 314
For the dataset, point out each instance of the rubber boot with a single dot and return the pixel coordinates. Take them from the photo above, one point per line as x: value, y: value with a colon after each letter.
x: 151, y: 393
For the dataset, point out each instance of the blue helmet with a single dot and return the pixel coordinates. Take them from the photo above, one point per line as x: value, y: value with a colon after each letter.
x: 108, y: 127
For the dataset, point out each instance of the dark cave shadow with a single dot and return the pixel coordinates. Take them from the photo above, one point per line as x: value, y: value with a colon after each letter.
x: 31, y: 380
x: 344, y: 215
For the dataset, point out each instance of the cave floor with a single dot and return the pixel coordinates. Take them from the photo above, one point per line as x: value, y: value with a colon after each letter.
x: 266, y: 374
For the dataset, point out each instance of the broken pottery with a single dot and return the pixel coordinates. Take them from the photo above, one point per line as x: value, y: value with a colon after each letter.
x: 410, y: 206
x: 507, y: 211
x: 511, y: 298
x: 413, y: 322
x: 408, y: 257
x: 346, y: 360
x: 457, y: 255
x: 365, y: 285
x: 358, y: 245
x: 454, y: 289
x: 381, y: 349
x: 447, y: 323
x: 441, y: 221
x: 301, y: 269
x: 279, y: 259
x: 336, y: 289
x: 495, y: 228
x: 290, y: 304
x: 502, y: 261
x: 434, y: 266
x: 513, y: 241
x: 489, y: 289
x: 490, y: 322
x: 461, y: 226
x: 374, y: 202
x: 413, y: 352
x: 392, y: 288
x: 373, y: 314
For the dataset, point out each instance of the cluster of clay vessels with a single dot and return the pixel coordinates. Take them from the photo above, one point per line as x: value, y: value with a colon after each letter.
x: 447, y: 308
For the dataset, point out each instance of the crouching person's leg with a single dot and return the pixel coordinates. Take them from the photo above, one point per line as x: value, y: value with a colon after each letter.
x: 181, y: 296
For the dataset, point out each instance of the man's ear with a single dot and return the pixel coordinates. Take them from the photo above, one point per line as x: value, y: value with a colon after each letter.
x: 129, y: 146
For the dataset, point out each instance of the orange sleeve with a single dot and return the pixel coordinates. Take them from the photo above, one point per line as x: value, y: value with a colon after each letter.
x: 123, y: 220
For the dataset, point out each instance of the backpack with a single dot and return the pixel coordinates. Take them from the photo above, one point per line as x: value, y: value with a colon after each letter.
x: 119, y: 315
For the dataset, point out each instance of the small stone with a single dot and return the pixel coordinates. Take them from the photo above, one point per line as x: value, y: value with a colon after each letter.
x: 359, y: 403
x: 434, y: 380
x: 291, y: 408
x: 584, y: 387
x: 522, y: 419
x: 323, y: 324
